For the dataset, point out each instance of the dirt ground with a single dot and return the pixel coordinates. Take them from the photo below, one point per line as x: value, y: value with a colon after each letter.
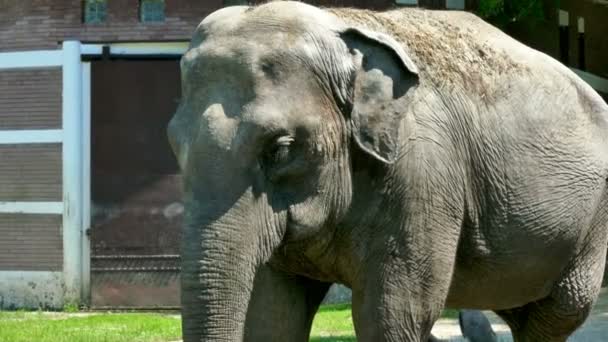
x: 595, y: 328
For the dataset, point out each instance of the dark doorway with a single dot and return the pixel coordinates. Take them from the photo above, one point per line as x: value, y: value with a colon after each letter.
x: 136, y: 192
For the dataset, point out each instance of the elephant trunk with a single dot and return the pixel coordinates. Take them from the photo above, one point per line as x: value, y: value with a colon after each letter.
x: 229, y: 230
x: 215, y: 293
x: 220, y: 256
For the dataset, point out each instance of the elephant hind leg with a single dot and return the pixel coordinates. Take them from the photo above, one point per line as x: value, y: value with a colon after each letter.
x: 557, y: 316
x: 545, y: 320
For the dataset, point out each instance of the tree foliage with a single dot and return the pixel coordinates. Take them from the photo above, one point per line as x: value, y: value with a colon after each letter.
x: 503, y: 12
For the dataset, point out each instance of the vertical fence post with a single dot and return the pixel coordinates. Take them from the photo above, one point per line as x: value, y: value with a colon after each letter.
x: 86, y: 183
x: 72, y: 172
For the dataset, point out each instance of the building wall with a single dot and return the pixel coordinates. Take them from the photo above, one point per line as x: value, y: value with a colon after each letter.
x: 31, y: 245
x: 30, y: 99
x: 595, y: 15
x: 36, y: 24
x: 30, y: 242
x: 544, y: 36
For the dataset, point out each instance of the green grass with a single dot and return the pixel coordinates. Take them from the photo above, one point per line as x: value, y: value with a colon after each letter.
x: 332, y: 323
x: 62, y: 327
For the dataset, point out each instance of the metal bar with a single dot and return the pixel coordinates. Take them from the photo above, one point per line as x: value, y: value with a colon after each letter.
x: 137, y: 49
x: 90, y: 49
x: 136, y: 269
x: 121, y: 257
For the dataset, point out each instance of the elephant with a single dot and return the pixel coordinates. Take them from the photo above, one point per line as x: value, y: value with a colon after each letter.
x: 422, y: 158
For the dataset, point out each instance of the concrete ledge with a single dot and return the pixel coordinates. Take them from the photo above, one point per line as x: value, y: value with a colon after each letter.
x: 596, y: 82
x: 31, y: 290
x: 338, y: 294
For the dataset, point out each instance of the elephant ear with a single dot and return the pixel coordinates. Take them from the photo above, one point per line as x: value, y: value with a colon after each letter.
x: 384, y: 73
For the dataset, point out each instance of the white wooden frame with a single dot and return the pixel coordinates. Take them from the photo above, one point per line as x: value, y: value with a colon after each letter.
x: 64, y: 286
x: 75, y: 137
x: 31, y: 208
x: 72, y: 171
x: 86, y: 183
x: 28, y: 60
x: 137, y: 49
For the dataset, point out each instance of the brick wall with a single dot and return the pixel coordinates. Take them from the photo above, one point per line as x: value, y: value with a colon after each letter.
x: 30, y: 99
x: 30, y: 242
x: 30, y: 172
x: 35, y: 24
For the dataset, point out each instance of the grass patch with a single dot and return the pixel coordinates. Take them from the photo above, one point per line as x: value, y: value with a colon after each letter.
x: 450, y: 313
x: 70, y: 307
x: 97, y: 327
x: 333, y: 323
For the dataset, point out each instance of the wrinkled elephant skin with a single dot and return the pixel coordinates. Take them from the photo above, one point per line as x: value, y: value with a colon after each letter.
x: 422, y: 158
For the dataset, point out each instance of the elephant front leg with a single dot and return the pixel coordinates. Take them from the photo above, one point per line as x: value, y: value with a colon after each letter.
x: 282, y: 306
x: 403, y: 293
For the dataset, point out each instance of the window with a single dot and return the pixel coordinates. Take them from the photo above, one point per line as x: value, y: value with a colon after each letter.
x: 151, y: 11
x: 94, y: 11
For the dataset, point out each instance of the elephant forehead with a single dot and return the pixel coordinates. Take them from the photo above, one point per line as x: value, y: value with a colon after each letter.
x: 271, y: 17
x: 272, y: 26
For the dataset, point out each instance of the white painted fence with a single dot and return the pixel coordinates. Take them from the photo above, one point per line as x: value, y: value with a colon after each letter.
x: 66, y: 286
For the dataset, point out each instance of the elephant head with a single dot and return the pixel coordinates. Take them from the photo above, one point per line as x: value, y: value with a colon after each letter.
x: 278, y: 102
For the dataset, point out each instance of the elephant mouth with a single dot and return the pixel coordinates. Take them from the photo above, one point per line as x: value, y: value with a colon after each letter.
x: 298, y: 231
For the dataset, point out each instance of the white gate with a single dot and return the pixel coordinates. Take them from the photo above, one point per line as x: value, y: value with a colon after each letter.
x: 44, y: 250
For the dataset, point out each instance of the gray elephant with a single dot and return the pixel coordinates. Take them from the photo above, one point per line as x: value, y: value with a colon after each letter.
x: 424, y: 159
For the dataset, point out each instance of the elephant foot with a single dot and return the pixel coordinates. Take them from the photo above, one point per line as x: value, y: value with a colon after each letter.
x: 475, y: 326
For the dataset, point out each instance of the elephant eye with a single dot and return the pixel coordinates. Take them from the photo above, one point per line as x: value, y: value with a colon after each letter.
x: 278, y: 152
x: 284, y: 159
